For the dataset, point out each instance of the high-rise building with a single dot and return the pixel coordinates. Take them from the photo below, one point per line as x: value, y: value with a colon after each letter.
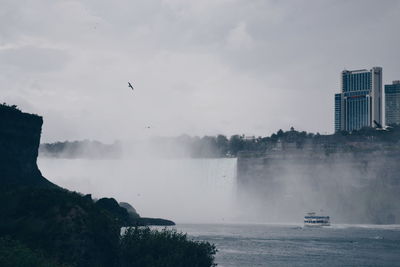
x: 338, y: 112
x: 392, y: 100
x: 359, y: 103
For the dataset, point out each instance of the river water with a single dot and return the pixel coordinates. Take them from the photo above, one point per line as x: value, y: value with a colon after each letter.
x: 294, y: 245
x: 204, y: 191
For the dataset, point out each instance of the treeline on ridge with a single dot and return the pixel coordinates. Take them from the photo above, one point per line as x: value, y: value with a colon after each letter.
x: 221, y: 146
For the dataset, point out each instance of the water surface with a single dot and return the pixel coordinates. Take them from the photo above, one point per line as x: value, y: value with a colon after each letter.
x: 293, y: 245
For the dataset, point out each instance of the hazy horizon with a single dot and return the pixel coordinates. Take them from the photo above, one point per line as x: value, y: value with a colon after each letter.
x: 198, y: 68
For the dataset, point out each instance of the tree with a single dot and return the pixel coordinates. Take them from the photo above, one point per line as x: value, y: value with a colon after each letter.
x: 280, y: 133
x: 222, y: 144
x: 236, y: 144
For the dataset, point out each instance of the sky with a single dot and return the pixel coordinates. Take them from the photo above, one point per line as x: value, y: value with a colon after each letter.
x: 198, y: 67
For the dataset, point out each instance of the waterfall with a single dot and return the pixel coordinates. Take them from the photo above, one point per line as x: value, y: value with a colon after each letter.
x: 184, y: 190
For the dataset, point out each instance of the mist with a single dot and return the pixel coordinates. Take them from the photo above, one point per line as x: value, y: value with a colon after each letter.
x: 161, y: 179
x: 181, y: 189
x: 347, y: 187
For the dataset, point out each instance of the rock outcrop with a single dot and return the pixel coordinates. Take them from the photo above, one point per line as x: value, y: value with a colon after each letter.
x: 66, y: 226
x: 19, y: 143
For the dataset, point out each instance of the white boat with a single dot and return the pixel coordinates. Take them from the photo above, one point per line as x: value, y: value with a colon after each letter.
x: 311, y: 219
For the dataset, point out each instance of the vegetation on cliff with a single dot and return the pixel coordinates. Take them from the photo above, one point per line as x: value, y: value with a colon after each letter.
x: 365, y: 139
x: 139, y: 247
x: 63, y: 224
x: 15, y: 254
x: 74, y: 230
x: 81, y: 149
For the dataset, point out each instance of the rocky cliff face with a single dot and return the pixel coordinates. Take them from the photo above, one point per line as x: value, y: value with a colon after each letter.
x: 65, y: 226
x: 19, y: 143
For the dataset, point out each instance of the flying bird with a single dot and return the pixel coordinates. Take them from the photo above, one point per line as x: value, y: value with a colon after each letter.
x: 130, y: 85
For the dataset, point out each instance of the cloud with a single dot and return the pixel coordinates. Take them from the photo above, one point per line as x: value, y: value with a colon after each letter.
x: 33, y: 59
x: 239, y: 38
x: 205, y: 67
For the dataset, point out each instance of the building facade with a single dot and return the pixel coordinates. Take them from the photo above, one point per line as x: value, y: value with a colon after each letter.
x: 392, y: 103
x: 359, y: 103
x: 338, y: 112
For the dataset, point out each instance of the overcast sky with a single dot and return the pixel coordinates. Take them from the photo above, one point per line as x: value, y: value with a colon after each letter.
x: 198, y: 67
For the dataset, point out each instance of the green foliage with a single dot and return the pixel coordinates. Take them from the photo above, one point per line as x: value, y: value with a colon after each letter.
x: 236, y: 144
x: 80, y: 149
x: 74, y: 230
x: 143, y: 247
x: 223, y: 144
x: 15, y: 254
x: 65, y: 225
x: 220, y: 146
x: 12, y: 111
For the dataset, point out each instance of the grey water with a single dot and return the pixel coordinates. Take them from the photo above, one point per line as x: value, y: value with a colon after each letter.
x: 294, y: 245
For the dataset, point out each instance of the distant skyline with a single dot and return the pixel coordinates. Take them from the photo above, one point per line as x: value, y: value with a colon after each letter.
x: 360, y: 101
x: 198, y: 67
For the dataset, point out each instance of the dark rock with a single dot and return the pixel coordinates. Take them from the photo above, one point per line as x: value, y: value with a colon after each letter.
x: 68, y: 227
x: 128, y: 216
x: 19, y: 143
x: 111, y: 206
x: 131, y: 210
x: 154, y: 221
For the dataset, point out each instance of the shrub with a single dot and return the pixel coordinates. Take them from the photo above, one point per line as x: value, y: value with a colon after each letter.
x: 15, y: 254
x: 144, y: 247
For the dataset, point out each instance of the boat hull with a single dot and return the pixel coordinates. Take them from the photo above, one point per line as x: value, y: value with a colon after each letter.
x: 316, y: 224
x: 316, y: 221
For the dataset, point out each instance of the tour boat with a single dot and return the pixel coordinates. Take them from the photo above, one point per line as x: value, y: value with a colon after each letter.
x: 311, y: 219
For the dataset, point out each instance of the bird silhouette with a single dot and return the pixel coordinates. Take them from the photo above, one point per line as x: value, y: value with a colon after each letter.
x: 130, y: 85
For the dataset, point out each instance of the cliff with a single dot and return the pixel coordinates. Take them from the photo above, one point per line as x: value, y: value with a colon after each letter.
x: 39, y: 218
x: 19, y: 142
x: 66, y: 226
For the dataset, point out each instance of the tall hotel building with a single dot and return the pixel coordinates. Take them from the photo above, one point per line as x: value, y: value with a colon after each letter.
x: 392, y: 103
x: 359, y: 103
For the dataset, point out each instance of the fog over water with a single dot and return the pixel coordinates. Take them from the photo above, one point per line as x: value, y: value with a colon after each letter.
x: 351, y: 189
x: 268, y: 189
x: 184, y: 190
x: 162, y: 178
